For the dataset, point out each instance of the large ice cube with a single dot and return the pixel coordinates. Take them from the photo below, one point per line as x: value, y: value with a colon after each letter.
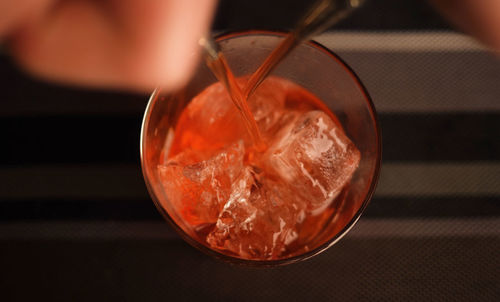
x: 199, y: 190
x: 259, y: 220
x: 315, y: 157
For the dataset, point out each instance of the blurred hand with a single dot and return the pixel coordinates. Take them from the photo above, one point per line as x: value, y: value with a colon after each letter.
x: 480, y: 18
x: 131, y: 44
x: 140, y: 44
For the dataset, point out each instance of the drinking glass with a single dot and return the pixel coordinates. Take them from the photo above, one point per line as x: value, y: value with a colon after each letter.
x: 310, y: 65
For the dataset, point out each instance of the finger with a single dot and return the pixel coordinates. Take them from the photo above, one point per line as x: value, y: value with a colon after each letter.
x: 13, y: 13
x: 130, y: 44
x: 480, y: 18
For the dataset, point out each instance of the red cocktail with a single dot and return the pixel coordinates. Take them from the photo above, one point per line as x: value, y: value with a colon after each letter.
x: 275, y: 204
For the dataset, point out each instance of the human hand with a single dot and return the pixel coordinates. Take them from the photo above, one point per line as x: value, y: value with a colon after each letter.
x: 131, y: 44
x: 480, y: 18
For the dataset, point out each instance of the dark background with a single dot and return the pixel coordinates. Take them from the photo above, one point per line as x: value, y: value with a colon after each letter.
x: 76, y: 222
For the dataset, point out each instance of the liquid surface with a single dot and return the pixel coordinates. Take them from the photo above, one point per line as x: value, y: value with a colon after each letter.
x: 252, y: 203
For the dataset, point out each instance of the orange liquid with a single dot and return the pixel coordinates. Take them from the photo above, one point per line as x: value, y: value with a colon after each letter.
x: 211, y: 123
x: 192, y: 132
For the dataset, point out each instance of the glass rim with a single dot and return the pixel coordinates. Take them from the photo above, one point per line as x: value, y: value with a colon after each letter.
x: 296, y: 258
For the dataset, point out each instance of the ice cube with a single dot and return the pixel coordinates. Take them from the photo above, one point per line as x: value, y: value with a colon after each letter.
x: 198, y: 190
x: 259, y: 220
x: 315, y: 157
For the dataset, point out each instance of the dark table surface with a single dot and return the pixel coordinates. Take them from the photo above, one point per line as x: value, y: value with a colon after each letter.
x: 76, y: 222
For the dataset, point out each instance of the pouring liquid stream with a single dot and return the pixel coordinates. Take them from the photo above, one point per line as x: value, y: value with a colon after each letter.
x: 217, y: 63
x: 323, y: 14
